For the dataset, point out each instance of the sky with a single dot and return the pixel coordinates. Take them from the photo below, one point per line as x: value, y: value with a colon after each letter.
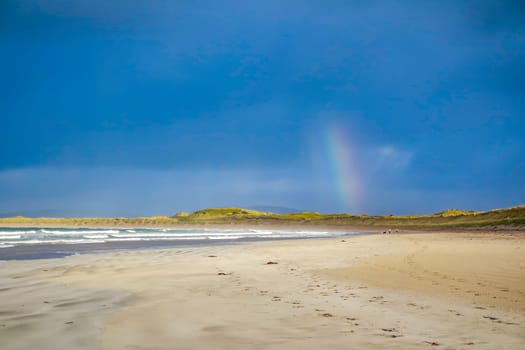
x: 130, y: 108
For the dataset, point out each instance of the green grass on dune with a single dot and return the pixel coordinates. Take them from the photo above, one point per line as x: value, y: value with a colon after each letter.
x: 453, y: 218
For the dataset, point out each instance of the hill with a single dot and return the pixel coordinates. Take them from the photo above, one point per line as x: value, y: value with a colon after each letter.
x: 273, y: 209
x: 513, y: 218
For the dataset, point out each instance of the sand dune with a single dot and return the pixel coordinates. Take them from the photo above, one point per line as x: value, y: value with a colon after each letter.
x: 412, y: 291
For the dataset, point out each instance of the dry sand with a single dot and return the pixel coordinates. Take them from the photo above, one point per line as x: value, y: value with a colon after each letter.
x: 410, y: 291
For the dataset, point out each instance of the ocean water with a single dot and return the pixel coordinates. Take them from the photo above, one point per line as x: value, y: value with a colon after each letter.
x: 14, y: 237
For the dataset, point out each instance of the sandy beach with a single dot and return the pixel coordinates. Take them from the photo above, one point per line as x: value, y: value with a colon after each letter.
x: 399, y: 291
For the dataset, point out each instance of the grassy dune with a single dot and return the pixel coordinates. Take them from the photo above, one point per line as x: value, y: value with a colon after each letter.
x: 513, y: 218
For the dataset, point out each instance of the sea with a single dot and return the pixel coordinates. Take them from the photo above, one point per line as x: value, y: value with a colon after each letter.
x: 42, y: 242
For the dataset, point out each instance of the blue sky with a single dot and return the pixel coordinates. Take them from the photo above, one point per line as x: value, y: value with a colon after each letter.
x: 144, y: 108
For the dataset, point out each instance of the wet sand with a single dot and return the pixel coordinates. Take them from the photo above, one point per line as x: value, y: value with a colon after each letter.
x: 406, y: 291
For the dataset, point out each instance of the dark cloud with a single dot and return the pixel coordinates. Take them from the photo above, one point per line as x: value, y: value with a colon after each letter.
x: 167, y: 86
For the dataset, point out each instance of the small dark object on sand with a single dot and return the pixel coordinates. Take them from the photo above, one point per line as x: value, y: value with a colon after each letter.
x: 327, y: 314
x: 70, y: 322
x: 212, y: 256
x: 272, y: 263
x: 224, y: 274
x: 433, y: 343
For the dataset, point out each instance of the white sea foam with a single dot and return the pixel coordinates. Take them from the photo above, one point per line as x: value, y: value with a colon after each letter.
x: 224, y: 237
x: 145, y: 235
x: 101, y: 235
x: 10, y: 236
x: 95, y: 236
x: 165, y: 238
x: 55, y: 241
x: 76, y: 232
x: 5, y: 233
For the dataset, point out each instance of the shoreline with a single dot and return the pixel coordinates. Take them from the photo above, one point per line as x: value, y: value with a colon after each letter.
x: 61, y: 250
x: 50, y: 250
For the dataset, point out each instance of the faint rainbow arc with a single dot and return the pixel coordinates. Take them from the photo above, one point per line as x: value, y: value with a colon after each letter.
x: 343, y: 168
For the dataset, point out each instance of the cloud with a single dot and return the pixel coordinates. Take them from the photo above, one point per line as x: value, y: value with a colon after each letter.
x: 213, y: 102
x: 390, y: 157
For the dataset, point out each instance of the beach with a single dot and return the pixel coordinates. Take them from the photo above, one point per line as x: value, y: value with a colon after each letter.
x: 399, y: 291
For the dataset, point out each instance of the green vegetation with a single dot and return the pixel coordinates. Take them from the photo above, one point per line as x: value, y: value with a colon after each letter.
x: 457, y: 212
x: 448, y: 219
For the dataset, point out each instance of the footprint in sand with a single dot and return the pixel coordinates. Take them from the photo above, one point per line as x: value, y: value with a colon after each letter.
x: 421, y: 307
x: 455, y: 312
x: 391, y: 333
x: 497, y: 320
x: 377, y: 299
x: 297, y: 305
x: 492, y: 318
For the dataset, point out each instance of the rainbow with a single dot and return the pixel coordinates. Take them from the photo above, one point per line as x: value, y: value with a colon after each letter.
x: 343, y: 168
